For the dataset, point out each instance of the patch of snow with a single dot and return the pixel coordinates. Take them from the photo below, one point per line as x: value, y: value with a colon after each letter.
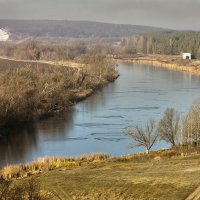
x: 4, y: 35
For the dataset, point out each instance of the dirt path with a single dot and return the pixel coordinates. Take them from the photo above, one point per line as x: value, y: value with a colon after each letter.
x: 10, y: 62
x: 195, y: 195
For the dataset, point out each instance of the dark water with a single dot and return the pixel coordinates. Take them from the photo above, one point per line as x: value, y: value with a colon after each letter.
x: 96, y: 124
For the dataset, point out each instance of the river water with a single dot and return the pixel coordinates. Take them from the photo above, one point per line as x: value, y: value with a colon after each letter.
x: 97, y: 123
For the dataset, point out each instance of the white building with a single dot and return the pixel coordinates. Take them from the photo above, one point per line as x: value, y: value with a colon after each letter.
x: 187, y: 56
x: 4, y: 35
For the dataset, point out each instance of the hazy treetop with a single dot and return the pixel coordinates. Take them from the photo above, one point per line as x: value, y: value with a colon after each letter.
x: 176, y: 14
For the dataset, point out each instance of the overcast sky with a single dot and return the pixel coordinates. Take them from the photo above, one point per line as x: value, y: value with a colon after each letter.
x: 176, y: 14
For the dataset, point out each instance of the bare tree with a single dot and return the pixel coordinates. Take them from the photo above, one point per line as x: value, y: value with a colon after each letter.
x: 191, y: 127
x: 145, y: 137
x: 169, y: 126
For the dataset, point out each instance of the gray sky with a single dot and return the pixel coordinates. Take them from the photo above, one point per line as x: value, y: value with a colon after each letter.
x: 176, y: 14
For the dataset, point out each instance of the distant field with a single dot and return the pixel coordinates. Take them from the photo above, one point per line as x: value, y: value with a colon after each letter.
x: 8, y: 63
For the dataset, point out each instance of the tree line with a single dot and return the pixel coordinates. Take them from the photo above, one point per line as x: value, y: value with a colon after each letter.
x: 73, y: 49
x: 182, y: 133
x: 169, y: 43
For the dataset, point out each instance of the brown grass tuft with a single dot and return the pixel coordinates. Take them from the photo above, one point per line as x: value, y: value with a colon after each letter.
x: 46, y: 164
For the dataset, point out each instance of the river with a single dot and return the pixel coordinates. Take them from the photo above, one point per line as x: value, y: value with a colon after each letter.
x: 97, y: 123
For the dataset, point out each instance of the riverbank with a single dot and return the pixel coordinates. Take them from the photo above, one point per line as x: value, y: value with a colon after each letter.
x: 32, y: 90
x: 160, y: 175
x: 166, y: 61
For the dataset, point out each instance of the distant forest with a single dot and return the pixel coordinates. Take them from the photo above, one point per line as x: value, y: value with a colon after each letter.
x: 170, y: 43
x: 59, y: 29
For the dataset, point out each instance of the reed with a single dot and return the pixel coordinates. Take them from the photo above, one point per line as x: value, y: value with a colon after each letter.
x: 46, y: 164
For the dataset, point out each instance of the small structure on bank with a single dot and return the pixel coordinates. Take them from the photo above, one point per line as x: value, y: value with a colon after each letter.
x: 187, y: 56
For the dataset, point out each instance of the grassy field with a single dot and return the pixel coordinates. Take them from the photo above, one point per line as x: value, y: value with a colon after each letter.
x: 6, y: 63
x: 155, y: 176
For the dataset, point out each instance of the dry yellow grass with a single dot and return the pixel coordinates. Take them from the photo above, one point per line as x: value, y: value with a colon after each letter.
x: 68, y: 63
x: 139, y: 176
x: 46, y: 164
x: 55, y: 63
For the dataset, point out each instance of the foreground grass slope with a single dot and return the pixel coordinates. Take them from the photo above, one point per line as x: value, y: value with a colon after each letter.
x: 159, y: 175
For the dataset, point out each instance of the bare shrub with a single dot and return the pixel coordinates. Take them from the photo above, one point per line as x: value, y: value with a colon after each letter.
x: 145, y: 137
x: 27, y: 92
x: 169, y: 127
x: 191, y: 127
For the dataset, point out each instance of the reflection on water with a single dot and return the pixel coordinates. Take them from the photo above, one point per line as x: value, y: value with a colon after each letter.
x: 17, y: 144
x: 57, y: 126
x: 20, y: 143
x: 97, y: 124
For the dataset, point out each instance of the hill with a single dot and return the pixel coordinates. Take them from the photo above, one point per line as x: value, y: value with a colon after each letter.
x: 52, y: 29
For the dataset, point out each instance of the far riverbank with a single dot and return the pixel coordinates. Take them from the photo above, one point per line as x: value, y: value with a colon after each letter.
x: 166, y: 61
